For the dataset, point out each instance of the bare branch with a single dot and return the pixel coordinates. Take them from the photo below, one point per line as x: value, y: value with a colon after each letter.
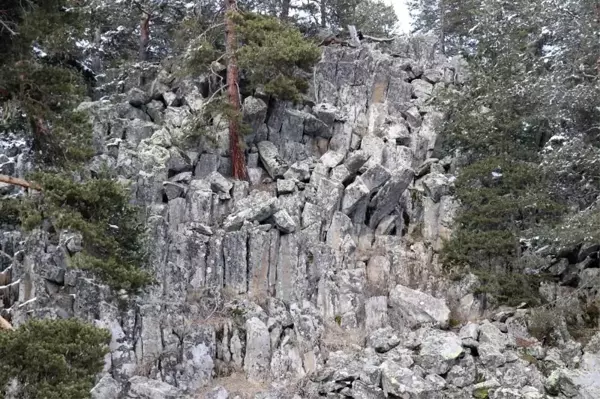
x: 19, y: 182
x: 379, y: 39
x: 5, y: 25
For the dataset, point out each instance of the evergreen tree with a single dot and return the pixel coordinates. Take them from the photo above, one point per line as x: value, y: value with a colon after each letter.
x: 52, y: 359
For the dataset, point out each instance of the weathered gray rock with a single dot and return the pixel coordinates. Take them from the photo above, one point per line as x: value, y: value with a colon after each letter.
x: 410, y: 308
x: 356, y: 160
x: 217, y: 393
x: 220, y: 185
x: 401, y: 381
x: 355, y: 194
x: 145, y: 388
x: 258, y: 350
x: 285, y: 186
x: 375, y: 177
x: 331, y: 159
x: 273, y: 163
x: 299, y: 170
x: 384, y: 339
x: 255, y: 112
x: 440, y: 351
x: 174, y: 190
x: 436, y: 185
x: 376, y: 312
x: 106, y: 388
x: 384, y: 202
x: 284, y: 222
x: 361, y: 390
x: 258, y: 207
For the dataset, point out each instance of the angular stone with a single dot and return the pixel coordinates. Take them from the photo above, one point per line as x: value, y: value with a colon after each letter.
x: 376, y: 313
x: 284, y: 222
x: 285, y: 186
x: 292, y: 128
x: 440, y: 351
x: 273, y: 163
x: 207, y: 163
x: 145, y: 388
x: 436, y: 185
x: 421, y: 89
x: 234, y: 257
x: 340, y: 227
x: 361, y: 390
x: 383, y: 339
x: 356, y: 160
x: 299, y: 170
x: 401, y: 381
x: 341, y: 174
x: 174, y: 190
x: 258, y: 350
x: 384, y: 202
x: 331, y: 159
x: 259, y: 207
x: 255, y: 112
x: 375, y: 177
x: 355, y: 194
x: 410, y: 308
x: 220, y: 185
x: 106, y: 388
x: 328, y: 197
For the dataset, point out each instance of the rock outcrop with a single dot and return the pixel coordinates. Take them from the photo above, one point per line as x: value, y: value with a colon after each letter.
x: 319, y: 276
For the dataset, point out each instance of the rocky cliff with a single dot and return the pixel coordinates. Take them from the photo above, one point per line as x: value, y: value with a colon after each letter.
x: 318, y: 277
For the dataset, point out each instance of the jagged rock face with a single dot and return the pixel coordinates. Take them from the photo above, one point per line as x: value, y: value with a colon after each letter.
x: 318, y: 276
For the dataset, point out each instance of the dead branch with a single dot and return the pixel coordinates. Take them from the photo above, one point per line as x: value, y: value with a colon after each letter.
x: 19, y: 182
x: 379, y: 39
x: 5, y: 25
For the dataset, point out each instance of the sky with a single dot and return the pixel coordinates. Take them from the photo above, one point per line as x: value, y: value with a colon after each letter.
x: 403, y: 15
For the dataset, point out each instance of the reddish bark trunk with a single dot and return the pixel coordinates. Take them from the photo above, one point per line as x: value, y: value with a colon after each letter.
x: 238, y: 162
x: 144, y: 36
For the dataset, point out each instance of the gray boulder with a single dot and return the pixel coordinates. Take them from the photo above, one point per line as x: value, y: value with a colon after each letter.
x: 273, y: 163
x: 410, y: 308
x: 145, y: 388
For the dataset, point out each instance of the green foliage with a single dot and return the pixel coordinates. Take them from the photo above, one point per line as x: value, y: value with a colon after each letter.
x: 53, y: 359
x: 272, y: 55
x: 272, y: 52
x: 99, y: 209
x: 40, y: 87
x: 497, y: 211
x: 510, y: 289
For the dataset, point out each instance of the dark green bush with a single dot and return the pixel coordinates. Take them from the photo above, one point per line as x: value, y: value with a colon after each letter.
x: 53, y: 359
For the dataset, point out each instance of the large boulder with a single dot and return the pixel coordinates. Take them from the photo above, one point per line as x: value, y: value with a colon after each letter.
x: 145, y: 388
x: 440, y: 350
x: 272, y: 161
x: 413, y: 309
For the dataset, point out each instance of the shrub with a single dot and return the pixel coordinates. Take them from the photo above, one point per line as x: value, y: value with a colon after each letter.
x: 53, y: 359
x: 509, y: 288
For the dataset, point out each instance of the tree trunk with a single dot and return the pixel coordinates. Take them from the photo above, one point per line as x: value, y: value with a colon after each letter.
x: 323, y: 14
x: 144, y: 36
x: 238, y: 162
x: 442, y: 26
x: 285, y: 9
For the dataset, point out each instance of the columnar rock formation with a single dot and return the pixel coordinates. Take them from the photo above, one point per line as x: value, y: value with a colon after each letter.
x: 318, y: 277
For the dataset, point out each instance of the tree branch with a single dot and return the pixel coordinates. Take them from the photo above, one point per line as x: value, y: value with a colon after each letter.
x: 379, y: 39
x: 19, y: 182
x: 5, y: 25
